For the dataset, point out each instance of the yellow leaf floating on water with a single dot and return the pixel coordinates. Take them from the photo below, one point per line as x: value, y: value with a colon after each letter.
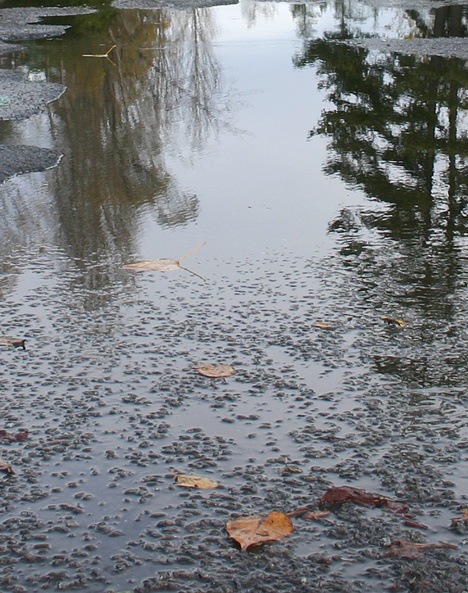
x: 164, y: 264
x: 323, y: 325
x: 158, y: 265
x: 215, y: 371
x: 392, y: 321
x: 195, y: 482
x: 254, y: 530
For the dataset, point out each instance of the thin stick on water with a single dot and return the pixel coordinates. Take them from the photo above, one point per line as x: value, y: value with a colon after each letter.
x: 106, y: 55
x: 190, y: 253
x: 194, y: 273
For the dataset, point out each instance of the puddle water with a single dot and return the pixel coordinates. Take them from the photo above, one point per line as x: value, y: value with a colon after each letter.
x: 320, y: 152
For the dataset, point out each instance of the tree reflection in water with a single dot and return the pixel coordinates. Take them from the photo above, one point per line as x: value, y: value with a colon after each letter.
x: 398, y: 128
x: 116, y: 119
x: 161, y: 93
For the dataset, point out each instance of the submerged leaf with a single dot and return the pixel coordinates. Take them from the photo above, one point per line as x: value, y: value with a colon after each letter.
x: 195, y: 482
x: 215, y: 371
x: 392, y: 321
x: 9, y: 341
x: 254, y: 530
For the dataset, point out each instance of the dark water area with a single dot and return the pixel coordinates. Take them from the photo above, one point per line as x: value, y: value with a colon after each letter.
x: 320, y: 151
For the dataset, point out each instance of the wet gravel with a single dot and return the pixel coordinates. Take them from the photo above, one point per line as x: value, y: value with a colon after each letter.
x: 115, y: 411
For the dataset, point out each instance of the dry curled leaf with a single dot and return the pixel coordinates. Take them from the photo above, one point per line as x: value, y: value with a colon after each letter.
x: 5, y: 467
x: 338, y: 495
x: 299, y: 512
x: 16, y: 342
x: 71, y: 508
x: 323, y: 325
x: 392, y: 321
x: 195, y: 482
x: 215, y: 371
x: 254, y: 530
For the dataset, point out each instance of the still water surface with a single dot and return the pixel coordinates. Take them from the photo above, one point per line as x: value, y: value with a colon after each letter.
x: 329, y: 183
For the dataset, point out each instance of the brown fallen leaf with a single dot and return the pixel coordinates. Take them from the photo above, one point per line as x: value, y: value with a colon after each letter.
x: 195, y: 482
x: 404, y: 548
x: 5, y: 467
x: 338, y: 495
x: 323, y: 325
x: 164, y: 264
x: 254, y: 530
x: 9, y: 341
x: 215, y: 371
x: 392, y: 321
x: 398, y: 507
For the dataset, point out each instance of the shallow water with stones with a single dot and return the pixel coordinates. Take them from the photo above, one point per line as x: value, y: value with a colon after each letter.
x: 106, y: 385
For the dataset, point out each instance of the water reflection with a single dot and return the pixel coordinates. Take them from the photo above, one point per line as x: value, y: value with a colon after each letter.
x: 117, y: 116
x: 398, y: 130
x: 160, y: 92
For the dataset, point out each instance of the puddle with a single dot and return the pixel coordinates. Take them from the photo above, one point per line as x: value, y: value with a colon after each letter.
x: 320, y: 153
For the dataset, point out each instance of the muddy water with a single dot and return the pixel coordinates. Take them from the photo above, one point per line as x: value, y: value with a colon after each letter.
x: 328, y: 181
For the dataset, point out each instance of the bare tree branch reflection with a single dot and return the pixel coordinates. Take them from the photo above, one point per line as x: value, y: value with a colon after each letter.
x: 163, y: 92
